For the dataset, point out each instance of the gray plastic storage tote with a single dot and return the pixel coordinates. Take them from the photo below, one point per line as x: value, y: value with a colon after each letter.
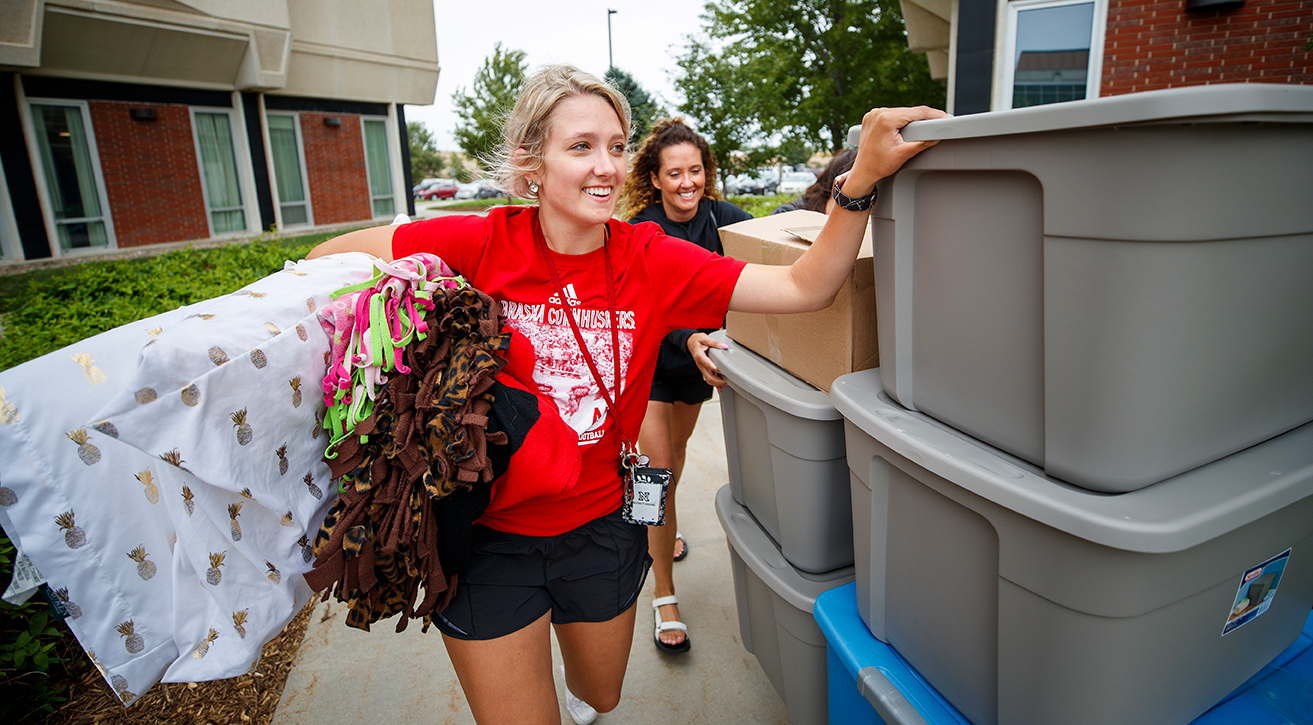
x: 784, y: 442
x: 1027, y: 601
x: 775, y: 602
x: 1117, y: 290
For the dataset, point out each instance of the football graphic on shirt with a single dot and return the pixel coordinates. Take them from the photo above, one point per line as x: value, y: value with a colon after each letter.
x: 561, y: 372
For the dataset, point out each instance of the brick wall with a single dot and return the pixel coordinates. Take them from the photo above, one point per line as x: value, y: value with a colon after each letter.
x: 1152, y: 44
x: 335, y: 168
x: 151, y: 174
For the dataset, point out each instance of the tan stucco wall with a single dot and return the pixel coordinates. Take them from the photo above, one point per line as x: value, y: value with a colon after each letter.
x: 358, y: 50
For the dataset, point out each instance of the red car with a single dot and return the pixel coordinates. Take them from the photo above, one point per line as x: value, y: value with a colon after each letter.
x: 440, y: 190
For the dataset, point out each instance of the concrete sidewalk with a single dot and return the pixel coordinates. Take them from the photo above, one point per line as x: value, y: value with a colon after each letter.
x: 343, y: 675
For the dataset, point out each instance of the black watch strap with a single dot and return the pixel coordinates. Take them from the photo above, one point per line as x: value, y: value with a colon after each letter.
x: 851, y: 204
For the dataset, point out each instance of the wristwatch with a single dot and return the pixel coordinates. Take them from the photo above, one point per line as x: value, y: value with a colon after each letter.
x: 851, y: 204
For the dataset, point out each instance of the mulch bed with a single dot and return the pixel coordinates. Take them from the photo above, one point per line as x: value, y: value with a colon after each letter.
x: 246, y: 699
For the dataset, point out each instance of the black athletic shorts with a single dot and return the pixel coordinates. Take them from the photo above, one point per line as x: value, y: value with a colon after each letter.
x: 590, y: 574
x: 686, y: 388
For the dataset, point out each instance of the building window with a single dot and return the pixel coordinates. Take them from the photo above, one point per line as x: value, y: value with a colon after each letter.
x: 289, y: 170
x: 1054, y: 51
x: 10, y: 247
x: 380, y: 171
x: 72, y: 173
x: 223, y: 194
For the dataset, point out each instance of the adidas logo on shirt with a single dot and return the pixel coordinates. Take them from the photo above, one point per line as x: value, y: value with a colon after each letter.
x: 569, y: 297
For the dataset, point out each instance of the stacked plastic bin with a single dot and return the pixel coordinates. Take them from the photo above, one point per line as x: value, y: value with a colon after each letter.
x: 871, y: 684
x: 788, y: 519
x: 1082, y: 478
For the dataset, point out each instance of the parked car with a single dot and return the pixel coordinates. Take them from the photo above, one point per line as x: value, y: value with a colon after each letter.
x: 417, y: 188
x: 795, y: 183
x: 467, y: 191
x: 746, y: 184
x: 444, y: 189
x: 488, y: 190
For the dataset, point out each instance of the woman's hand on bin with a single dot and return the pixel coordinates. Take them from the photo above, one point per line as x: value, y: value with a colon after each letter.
x: 698, y: 344
x: 882, y: 150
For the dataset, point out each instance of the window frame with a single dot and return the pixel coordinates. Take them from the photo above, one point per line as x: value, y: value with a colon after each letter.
x: 11, y: 246
x: 43, y: 184
x: 305, y: 175
x: 369, y: 173
x: 1007, y: 46
x: 237, y: 168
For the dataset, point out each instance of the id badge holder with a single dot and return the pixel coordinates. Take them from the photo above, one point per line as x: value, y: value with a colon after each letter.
x: 645, y: 493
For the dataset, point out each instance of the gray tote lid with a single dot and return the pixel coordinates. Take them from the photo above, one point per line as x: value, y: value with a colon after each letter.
x: 763, y: 557
x: 1228, y: 102
x: 1174, y: 515
x: 763, y: 379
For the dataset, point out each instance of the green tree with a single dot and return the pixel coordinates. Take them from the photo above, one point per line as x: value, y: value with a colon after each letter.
x: 425, y: 161
x: 718, y: 97
x: 645, y: 108
x: 459, y: 172
x: 822, y: 63
x: 794, y: 150
x: 496, y: 86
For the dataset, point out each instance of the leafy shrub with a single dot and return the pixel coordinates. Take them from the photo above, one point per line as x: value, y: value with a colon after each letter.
x: 760, y: 206
x: 49, y: 309
x: 29, y: 646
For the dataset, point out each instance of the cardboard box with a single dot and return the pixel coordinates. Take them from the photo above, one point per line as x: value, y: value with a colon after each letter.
x: 815, y: 346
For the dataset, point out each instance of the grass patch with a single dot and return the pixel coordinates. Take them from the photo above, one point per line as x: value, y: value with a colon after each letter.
x: 47, y: 309
x: 479, y: 204
x: 760, y: 206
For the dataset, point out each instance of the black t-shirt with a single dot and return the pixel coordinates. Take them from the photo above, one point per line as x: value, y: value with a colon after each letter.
x: 702, y: 228
x: 673, y: 359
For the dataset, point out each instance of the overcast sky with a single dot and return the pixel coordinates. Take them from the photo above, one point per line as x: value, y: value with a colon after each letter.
x: 646, y: 38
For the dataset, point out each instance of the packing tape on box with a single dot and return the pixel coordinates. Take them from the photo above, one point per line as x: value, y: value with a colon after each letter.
x: 773, y: 339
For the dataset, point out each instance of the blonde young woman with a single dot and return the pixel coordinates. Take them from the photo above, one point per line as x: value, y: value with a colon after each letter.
x: 668, y: 186
x: 570, y: 562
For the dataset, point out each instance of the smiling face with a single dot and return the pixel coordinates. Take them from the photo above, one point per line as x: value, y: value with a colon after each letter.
x: 583, y: 166
x: 681, y: 180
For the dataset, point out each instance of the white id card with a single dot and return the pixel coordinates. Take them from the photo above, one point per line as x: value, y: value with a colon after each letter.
x: 647, y: 503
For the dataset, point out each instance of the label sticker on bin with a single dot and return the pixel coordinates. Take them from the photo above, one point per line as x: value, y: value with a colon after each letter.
x: 1258, y: 587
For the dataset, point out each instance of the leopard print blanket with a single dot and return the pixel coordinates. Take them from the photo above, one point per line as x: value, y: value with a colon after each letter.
x: 426, y: 438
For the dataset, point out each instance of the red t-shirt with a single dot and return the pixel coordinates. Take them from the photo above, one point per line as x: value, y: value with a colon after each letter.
x: 661, y: 284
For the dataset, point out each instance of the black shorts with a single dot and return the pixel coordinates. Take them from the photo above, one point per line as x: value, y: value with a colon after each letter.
x: 683, y: 388
x: 590, y: 574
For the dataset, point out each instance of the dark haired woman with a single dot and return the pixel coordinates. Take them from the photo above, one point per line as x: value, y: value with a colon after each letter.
x: 669, y: 186
x: 817, y: 196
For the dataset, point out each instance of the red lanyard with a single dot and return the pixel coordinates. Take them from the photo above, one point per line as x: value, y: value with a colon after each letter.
x: 578, y: 336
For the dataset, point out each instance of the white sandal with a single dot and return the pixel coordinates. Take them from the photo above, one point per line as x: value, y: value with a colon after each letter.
x: 668, y: 627
x: 680, y: 538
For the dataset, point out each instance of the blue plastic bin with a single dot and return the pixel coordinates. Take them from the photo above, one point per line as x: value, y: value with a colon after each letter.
x: 889, y: 691
x: 884, y: 680
x: 1280, y: 694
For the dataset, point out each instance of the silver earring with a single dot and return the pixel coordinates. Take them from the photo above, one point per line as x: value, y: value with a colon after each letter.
x: 533, y: 187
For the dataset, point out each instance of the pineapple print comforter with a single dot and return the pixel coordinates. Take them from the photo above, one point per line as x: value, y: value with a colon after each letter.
x: 166, y: 477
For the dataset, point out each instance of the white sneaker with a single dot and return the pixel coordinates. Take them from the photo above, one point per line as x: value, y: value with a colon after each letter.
x: 581, y: 712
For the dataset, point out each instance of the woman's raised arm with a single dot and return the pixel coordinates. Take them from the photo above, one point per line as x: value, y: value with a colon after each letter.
x: 812, y: 281
x: 375, y: 240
